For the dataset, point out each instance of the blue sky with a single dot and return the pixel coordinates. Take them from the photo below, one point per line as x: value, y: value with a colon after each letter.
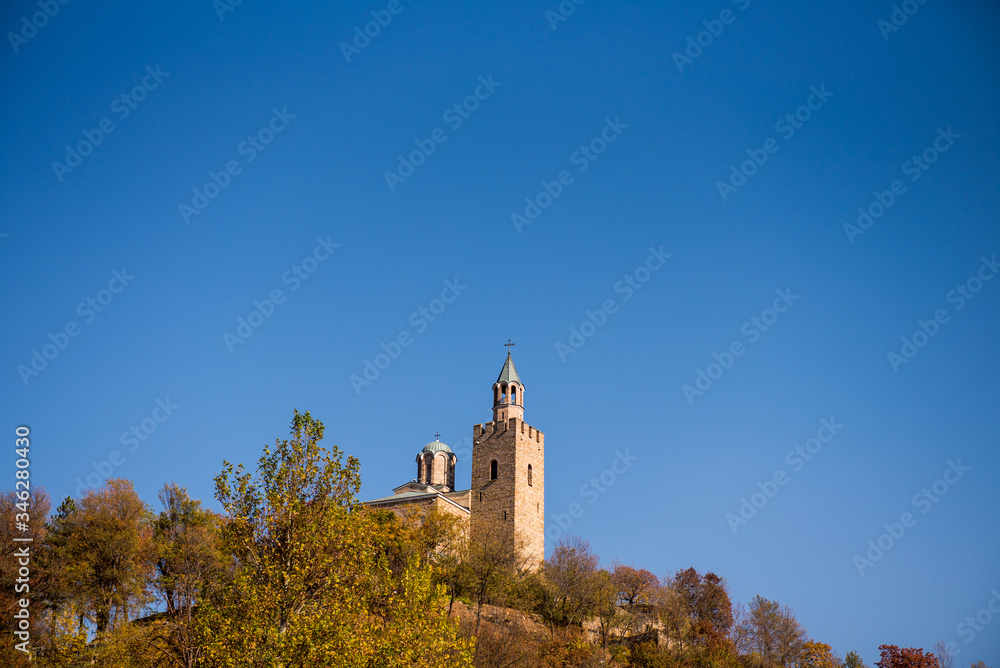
x: 310, y: 212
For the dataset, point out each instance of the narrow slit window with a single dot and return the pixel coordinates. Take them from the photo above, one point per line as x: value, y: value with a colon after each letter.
x: 493, y: 470
x: 529, y: 475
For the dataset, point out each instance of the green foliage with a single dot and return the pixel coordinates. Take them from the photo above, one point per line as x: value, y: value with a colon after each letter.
x: 319, y: 582
x: 853, y: 660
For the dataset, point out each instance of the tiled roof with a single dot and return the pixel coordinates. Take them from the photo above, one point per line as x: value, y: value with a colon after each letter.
x: 406, y: 497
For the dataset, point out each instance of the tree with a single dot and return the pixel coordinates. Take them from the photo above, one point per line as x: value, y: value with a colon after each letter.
x: 697, y: 609
x: 772, y: 633
x: 189, y: 561
x: 109, y: 556
x: 21, y: 517
x: 634, y: 586
x: 61, y: 633
x: 574, y: 582
x: 944, y: 657
x: 437, y: 539
x: 852, y: 660
x: 818, y: 655
x: 895, y: 657
x: 739, y: 633
x: 314, y: 584
x: 609, y: 615
x: 493, y: 563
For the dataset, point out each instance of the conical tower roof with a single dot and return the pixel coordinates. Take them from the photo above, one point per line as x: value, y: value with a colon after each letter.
x: 508, y: 374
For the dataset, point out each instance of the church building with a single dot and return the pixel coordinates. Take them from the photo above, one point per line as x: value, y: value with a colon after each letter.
x: 508, y: 473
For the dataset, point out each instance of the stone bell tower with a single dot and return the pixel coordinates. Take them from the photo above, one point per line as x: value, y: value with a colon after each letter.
x: 508, y: 468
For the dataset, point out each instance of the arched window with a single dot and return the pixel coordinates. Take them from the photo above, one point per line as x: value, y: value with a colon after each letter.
x: 529, y: 474
x: 513, y: 394
x: 427, y: 468
x: 493, y: 470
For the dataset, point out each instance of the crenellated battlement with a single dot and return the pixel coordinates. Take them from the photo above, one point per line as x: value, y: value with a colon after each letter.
x: 487, y: 429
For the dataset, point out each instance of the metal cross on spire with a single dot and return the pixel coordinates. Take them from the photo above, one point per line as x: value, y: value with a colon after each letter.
x: 437, y: 436
x: 509, y: 345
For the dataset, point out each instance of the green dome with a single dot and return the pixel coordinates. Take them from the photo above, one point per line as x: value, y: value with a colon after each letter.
x: 436, y: 446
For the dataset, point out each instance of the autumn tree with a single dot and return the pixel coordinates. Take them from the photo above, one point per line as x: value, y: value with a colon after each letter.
x: 853, y: 660
x: 695, y: 610
x: 61, y: 636
x: 634, y: 586
x: 108, y: 552
x: 611, y: 619
x: 189, y: 563
x: 573, y: 582
x: 313, y: 583
x: 443, y: 543
x: 818, y: 655
x: 944, y: 657
x: 23, y: 515
x: 437, y: 539
x: 896, y: 657
x: 773, y: 635
x: 493, y: 562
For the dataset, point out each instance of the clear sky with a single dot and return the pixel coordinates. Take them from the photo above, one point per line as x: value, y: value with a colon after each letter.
x: 178, y: 163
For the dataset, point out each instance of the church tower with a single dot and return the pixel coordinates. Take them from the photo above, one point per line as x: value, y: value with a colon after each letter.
x: 508, y: 468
